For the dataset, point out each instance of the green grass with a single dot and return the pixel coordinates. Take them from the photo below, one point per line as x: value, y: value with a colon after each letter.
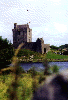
x: 37, y: 57
x: 24, y: 90
x: 53, y: 56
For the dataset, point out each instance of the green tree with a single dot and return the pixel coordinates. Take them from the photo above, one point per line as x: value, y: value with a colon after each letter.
x: 54, y: 47
x: 6, y: 52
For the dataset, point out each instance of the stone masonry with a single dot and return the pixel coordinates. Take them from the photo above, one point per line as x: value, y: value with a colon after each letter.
x: 23, y: 34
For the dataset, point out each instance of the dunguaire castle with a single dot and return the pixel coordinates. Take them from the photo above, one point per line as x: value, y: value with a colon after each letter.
x: 23, y: 34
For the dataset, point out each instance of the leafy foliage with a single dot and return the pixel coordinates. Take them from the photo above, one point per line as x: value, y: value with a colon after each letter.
x: 54, y: 47
x: 32, y: 71
x: 6, y: 52
x: 41, y: 78
x: 45, y: 64
x: 63, y: 46
x: 25, y: 52
x: 54, y: 69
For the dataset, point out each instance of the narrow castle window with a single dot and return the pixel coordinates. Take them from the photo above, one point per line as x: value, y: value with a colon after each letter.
x: 29, y: 30
x: 29, y: 40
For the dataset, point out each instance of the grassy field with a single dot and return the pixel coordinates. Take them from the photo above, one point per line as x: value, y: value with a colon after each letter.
x: 56, y: 57
x: 51, y: 56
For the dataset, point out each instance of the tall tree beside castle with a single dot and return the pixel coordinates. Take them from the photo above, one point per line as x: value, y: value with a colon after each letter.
x: 6, y: 52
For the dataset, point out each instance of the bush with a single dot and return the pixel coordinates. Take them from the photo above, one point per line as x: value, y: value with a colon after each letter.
x: 32, y: 71
x: 19, y: 70
x: 41, y: 78
x: 6, y: 72
x: 25, y: 52
x: 45, y: 64
x: 54, y: 69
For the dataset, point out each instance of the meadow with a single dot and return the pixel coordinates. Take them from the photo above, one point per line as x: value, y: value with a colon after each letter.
x: 51, y: 56
x: 38, y: 57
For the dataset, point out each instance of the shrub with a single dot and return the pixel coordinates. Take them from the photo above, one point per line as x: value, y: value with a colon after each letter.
x: 6, y: 72
x: 54, y: 69
x: 32, y: 71
x: 41, y: 78
x: 19, y: 70
x: 45, y: 64
x: 25, y: 52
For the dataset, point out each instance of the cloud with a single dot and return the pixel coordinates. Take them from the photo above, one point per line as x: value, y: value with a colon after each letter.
x: 29, y: 0
x: 60, y: 27
x: 55, y: 0
x: 46, y: 29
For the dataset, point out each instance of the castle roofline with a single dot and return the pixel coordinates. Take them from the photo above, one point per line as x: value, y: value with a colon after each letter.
x: 20, y: 26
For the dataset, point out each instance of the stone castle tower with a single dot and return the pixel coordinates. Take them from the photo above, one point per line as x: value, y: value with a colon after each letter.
x: 23, y: 34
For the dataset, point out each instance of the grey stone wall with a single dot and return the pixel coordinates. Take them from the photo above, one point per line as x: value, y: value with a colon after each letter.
x: 23, y: 34
x: 47, y: 46
x: 30, y: 45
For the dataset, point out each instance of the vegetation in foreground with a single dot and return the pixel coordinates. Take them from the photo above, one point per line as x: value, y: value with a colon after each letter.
x: 24, y: 86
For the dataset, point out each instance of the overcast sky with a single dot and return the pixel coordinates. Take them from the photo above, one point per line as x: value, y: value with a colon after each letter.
x: 48, y: 19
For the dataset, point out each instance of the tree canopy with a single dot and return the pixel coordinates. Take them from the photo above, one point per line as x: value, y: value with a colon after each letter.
x: 54, y: 47
x: 6, y: 52
x: 60, y: 47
